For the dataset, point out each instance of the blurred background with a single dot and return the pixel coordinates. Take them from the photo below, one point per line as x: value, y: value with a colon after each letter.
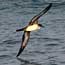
x: 46, y: 46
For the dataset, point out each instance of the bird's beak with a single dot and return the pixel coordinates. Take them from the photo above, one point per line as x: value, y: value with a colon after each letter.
x: 41, y: 25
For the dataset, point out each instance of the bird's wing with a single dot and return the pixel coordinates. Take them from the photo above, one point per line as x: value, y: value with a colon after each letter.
x: 40, y: 14
x: 25, y: 39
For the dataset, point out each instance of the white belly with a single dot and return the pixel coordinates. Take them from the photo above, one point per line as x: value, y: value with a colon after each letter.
x: 32, y: 28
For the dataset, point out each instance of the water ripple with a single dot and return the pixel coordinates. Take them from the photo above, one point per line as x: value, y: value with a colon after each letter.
x: 45, y: 47
x: 4, y: 8
x: 48, y: 39
x: 4, y: 56
x: 52, y: 44
x: 27, y: 62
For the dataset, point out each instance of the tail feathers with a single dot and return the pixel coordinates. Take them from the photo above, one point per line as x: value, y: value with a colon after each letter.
x: 19, y: 30
x: 20, y: 51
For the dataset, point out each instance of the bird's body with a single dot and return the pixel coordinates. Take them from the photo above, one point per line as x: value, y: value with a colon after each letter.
x: 32, y: 26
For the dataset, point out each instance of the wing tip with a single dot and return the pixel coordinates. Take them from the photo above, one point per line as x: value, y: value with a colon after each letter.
x: 51, y: 4
x: 20, y: 51
x: 16, y: 55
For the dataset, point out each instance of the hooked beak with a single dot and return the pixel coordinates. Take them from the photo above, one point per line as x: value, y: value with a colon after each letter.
x: 41, y: 25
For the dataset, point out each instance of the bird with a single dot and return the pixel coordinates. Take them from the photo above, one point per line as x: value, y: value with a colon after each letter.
x: 32, y: 26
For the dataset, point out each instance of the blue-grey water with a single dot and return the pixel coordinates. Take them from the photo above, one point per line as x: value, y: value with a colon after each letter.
x: 46, y: 46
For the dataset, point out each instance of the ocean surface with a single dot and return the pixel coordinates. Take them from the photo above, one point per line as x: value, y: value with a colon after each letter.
x: 46, y: 46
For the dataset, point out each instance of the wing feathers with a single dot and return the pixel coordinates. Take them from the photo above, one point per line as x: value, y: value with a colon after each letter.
x: 40, y: 14
x: 25, y: 39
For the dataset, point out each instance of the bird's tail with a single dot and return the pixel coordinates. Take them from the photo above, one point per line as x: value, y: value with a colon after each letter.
x: 20, y: 29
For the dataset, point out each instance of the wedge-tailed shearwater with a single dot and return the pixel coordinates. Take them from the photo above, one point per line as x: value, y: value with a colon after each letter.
x: 33, y: 25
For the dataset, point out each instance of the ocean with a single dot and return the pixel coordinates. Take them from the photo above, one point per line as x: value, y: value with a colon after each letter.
x: 46, y: 46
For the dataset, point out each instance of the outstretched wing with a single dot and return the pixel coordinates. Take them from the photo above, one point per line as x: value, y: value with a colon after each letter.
x: 25, y: 39
x: 40, y: 14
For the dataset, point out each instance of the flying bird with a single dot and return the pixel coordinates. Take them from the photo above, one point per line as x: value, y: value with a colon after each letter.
x: 32, y: 26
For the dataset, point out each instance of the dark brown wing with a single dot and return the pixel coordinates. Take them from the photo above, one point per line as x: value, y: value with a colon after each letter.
x: 25, y: 39
x: 40, y: 14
